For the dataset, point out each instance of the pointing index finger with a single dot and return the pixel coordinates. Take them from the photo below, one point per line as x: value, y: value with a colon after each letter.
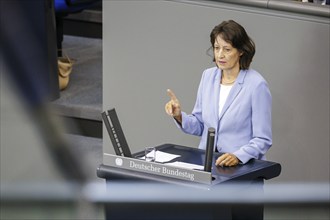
x: 171, y: 94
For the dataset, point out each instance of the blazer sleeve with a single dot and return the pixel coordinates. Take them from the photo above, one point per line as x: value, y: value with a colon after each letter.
x: 261, y: 125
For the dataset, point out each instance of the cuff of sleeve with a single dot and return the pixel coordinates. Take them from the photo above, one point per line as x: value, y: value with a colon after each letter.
x: 242, y: 157
x: 181, y: 126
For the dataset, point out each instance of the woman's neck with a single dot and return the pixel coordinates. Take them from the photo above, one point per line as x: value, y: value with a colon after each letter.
x: 229, y: 76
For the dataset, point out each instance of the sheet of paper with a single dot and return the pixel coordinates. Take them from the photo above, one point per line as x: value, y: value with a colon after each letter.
x: 163, y: 157
x: 186, y: 165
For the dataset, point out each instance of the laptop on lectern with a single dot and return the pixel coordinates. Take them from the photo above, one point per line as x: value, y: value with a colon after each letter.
x: 116, y: 133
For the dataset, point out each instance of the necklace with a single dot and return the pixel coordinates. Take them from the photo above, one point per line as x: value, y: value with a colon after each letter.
x: 227, y: 82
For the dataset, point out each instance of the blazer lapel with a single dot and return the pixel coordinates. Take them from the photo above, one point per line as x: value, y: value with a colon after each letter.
x: 216, y: 85
x: 233, y: 92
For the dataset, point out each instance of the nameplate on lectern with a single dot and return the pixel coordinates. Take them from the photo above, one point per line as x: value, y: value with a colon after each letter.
x: 139, y: 165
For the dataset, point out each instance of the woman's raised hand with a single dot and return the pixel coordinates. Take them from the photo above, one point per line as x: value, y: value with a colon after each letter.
x: 173, y: 107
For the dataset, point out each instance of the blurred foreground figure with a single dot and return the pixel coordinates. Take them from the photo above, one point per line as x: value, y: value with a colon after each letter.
x: 29, y: 60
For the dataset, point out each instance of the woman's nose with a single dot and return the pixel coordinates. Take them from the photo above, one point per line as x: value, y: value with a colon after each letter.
x: 220, y: 54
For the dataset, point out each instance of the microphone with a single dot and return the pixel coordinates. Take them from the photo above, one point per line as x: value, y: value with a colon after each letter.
x: 209, y: 150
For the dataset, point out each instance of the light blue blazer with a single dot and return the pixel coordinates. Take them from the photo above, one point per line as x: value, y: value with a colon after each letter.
x: 244, y: 126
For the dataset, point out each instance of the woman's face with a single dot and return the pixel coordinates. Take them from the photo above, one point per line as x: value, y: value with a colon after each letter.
x: 226, y: 56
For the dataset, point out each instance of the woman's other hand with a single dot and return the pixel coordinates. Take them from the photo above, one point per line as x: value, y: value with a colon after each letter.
x: 227, y: 159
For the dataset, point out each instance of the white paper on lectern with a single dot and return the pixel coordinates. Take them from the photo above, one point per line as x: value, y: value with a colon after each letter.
x: 186, y: 165
x: 163, y: 157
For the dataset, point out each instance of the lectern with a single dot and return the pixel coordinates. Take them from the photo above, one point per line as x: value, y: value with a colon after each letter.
x: 178, y: 166
x: 116, y: 167
x: 135, y: 170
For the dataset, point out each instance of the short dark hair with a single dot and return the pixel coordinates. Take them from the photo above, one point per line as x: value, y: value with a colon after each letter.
x: 235, y: 34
